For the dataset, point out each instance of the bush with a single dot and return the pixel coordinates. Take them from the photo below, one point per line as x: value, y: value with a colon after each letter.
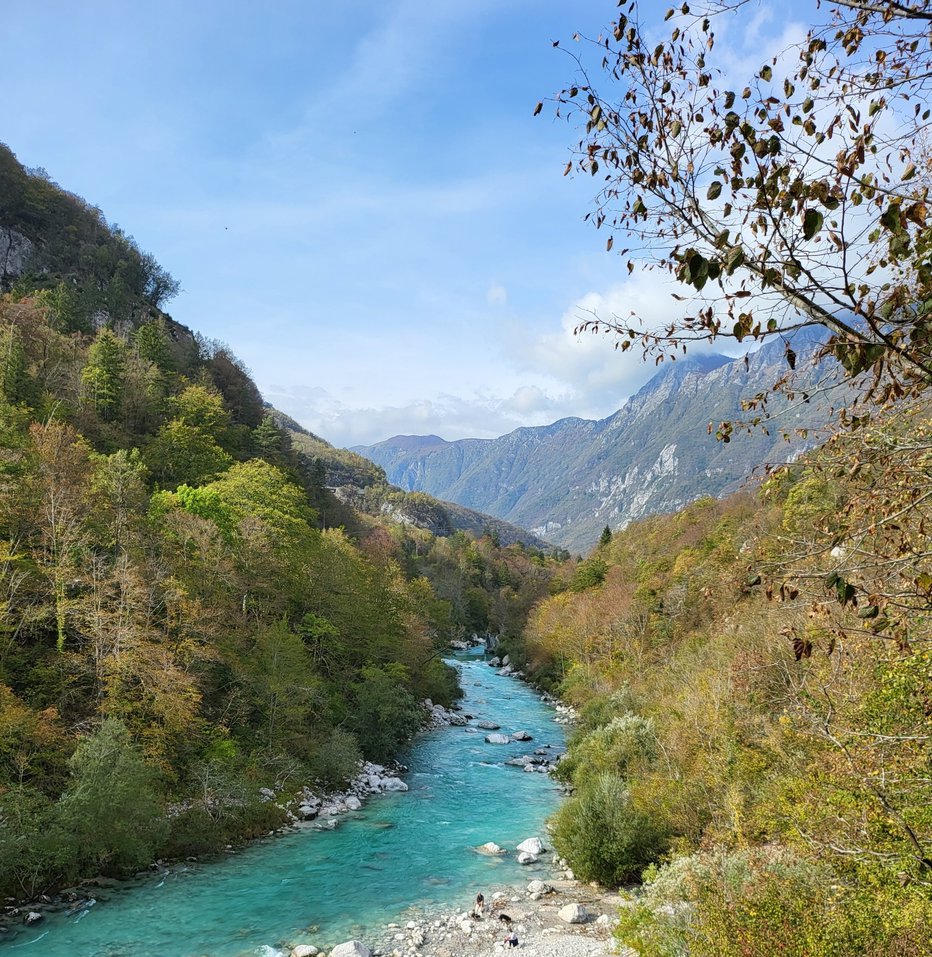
x: 335, y: 760
x: 615, y: 747
x: 604, y: 836
x: 767, y: 901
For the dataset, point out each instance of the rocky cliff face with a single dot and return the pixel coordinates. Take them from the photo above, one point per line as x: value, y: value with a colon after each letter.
x: 566, y: 481
x: 15, y: 250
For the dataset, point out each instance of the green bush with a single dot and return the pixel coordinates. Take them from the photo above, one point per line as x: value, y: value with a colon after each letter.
x: 604, y: 836
x: 625, y: 742
x: 335, y: 759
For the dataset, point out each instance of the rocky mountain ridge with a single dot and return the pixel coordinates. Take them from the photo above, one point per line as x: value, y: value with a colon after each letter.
x: 568, y: 480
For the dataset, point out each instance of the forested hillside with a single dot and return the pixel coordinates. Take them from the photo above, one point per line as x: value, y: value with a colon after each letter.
x: 179, y: 626
x: 755, y: 683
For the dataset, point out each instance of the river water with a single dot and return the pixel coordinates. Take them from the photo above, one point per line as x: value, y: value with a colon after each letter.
x: 404, y: 851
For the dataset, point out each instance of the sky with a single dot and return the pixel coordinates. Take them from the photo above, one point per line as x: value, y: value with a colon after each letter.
x: 355, y: 196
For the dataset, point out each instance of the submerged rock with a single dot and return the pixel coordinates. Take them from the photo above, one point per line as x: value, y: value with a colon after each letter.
x: 497, y: 739
x: 490, y: 847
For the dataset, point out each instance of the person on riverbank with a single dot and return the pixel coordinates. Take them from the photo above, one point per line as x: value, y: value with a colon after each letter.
x: 479, y: 909
x: 512, y: 939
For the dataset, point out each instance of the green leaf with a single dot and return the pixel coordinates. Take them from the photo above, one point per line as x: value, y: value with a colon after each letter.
x: 812, y: 223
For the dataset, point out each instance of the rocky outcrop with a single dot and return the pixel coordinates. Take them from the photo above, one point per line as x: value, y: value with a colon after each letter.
x: 15, y: 250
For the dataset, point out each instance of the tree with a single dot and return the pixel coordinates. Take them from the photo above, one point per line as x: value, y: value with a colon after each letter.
x: 102, y: 377
x: 606, y: 537
x: 795, y: 197
x: 112, y: 808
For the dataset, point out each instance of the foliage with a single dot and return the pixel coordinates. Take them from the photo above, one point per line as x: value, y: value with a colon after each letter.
x: 604, y: 832
x: 792, y: 196
x: 111, y: 809
x: 767, y: 901
x: 385, y: 715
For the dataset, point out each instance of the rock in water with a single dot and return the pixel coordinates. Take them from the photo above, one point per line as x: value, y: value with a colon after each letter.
x: 488, y: 725
x: 574, y: 914
x: 532, y: 845
x: 352, y: 948
x: 497, y: 739
x: 525, y: 858
x: 521, y: 736
x: 490, y: 847
x: 304, y: 950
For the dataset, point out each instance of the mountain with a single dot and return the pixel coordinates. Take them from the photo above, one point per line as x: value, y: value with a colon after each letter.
x: 362, y: 486
x: 568, y: 480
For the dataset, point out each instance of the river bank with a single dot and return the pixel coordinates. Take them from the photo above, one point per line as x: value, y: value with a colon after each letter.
x: 539, y: 913
x: 323, y: 883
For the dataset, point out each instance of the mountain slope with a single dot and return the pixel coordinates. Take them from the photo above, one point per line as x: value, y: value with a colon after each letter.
x: 362, y: 485
x: 568, y: 480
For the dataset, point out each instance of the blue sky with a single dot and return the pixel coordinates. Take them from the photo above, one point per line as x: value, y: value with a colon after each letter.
x: 355, y: 196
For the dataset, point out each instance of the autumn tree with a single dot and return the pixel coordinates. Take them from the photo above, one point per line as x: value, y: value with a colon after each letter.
x: 793, y: 197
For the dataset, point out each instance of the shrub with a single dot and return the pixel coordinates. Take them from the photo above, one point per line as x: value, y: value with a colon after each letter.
x: 335, y: 759
x: 604, y: 836
x: 767, y: 901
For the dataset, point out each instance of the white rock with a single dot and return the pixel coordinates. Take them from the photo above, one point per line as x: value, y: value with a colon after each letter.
x: 304, y: 950
x: 539, y: 887
x: 525, y: 858
x: 603, y: 920
x: 506, y: 660
x: 352, y: 948
x: 521, y: 736
x: 532, y: 845
x: 33, y: 917
x: 353, y: 803
x: 488, y: 725
x: 393, y: 784
x: 573, y: 914
x: 490, y: 847
x: 497, y: 739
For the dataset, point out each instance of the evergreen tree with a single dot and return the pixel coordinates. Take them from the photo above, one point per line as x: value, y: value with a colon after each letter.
x: 103, y: 376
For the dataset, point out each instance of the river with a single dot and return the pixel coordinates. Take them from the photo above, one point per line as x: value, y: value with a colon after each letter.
x: 402, y: 851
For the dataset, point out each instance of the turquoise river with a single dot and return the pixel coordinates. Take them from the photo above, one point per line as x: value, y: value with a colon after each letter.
x: 402, y: 851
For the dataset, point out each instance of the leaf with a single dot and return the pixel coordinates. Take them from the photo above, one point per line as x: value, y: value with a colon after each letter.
x: 766, y: 73
x: 538, y: 108
x: 608, y: 244
x: 909, y: 172
x: 715, y: 190
x: 812, y: 223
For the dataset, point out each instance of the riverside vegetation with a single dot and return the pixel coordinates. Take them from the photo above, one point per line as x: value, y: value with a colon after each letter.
x: 178, y: 628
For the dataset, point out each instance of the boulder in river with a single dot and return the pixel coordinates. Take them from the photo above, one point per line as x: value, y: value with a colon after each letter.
x: 497, y: 739
x: 304, y: 950
x: 521, y: 736
x: 495, y: 662
x: 490, y: 847
x: 525, y: 858
x: 352, y: 948
x: 532, y: 845
x: 353, y: 803
x: 488, y: 725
